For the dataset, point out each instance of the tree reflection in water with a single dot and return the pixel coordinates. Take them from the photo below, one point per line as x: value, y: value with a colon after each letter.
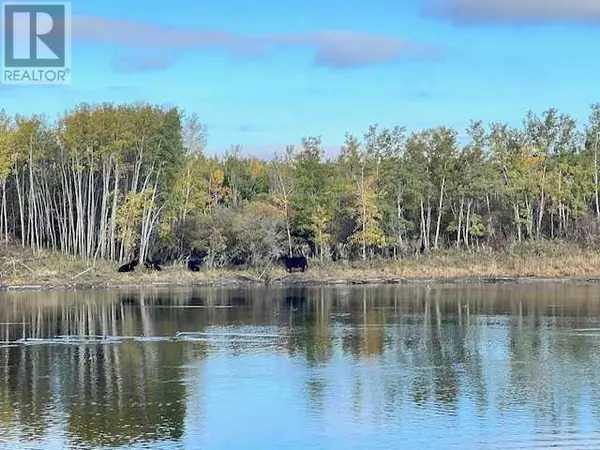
x: 115, y: 368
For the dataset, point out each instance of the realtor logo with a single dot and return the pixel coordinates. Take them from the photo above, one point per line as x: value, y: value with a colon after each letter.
x: 37, y: 43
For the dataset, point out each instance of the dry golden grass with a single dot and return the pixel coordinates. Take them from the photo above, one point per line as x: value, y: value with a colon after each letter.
x: 542, y: 260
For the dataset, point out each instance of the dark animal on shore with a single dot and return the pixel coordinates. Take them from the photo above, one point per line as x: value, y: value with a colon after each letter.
x: 295, y: 262
x: 194, y: 264
x: 152, y: 265
x: 196, y: 259
x: 129, y: 267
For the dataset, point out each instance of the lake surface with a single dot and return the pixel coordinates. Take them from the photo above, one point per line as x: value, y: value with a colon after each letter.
x: 446, y: 367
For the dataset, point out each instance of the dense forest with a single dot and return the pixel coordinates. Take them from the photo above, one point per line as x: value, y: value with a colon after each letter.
x: 121, y: 181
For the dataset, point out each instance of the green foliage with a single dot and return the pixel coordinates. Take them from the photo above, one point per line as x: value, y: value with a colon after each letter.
x: 253, y: 235
x: 129, y: 217
x: 106, y: 180
x: 6, y: 146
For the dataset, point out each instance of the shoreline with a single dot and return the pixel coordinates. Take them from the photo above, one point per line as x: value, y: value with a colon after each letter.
x: 291, y: 282
x: 21, y: 270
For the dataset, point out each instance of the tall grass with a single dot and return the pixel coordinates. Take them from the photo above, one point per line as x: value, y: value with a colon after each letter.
x: 532, y: 259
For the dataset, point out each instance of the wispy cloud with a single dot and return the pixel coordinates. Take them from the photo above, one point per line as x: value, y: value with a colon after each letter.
x: 332, y: 49
x: 515, y: 11
x: 144, y: 46
x: 138, y: 62
x: 343, y: 50
x: 147, y: 35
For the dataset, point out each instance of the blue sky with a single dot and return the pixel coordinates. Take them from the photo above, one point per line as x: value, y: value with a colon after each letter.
x: 264, y: 73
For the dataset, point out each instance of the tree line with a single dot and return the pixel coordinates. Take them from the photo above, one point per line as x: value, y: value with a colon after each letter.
x: 116, y: 181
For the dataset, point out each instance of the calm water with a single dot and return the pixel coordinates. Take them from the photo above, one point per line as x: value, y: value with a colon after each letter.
x: 477, y: 367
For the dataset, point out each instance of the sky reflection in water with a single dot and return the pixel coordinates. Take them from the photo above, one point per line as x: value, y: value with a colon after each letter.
x: 473, y: 367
